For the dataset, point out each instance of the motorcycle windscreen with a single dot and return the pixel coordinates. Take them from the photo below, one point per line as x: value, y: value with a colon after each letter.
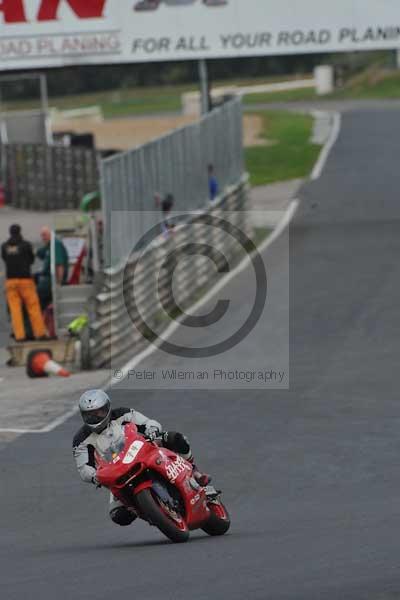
x: 111, y: 442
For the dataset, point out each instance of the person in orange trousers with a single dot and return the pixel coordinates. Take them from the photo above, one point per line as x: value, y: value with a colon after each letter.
x: 18, y: 256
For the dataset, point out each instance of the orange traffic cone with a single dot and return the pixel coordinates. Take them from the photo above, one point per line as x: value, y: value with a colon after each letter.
x: 41, y: 364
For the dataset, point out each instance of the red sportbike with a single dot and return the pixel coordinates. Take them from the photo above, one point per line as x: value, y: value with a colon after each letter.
x: 159, y: 485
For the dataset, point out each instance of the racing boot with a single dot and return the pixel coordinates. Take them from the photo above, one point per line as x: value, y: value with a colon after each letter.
x: 123, y: 516
x: 202, y: 478
x: 119, y: 513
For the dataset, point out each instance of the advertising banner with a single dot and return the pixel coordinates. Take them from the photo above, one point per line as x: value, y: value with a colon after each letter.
x: 46, y: 33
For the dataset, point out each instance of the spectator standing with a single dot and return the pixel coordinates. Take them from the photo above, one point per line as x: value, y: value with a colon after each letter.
x: 61, y: 263
x: 213, y: 188
x: 18, y: 256
x: 166, y: 204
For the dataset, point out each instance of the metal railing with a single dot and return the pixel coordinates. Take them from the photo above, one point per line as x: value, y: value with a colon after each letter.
x: 138, y: 293
x: 175, y: 163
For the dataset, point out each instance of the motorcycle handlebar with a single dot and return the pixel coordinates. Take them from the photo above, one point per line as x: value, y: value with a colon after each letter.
x: 155, y: 440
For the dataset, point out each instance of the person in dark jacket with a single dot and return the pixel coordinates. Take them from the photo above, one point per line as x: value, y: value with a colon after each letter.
x: 18, y: 256
x: 166, y: 204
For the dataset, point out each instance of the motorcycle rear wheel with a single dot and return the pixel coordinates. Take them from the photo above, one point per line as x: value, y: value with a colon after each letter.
x: 151, y: 509
x: 219, y: 520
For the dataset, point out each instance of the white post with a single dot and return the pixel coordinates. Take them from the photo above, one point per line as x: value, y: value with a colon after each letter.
x: 94, y: 244
x: 45, y: 109
x: 324, y: 79
x: 3, y: 132
x: 203, y: 76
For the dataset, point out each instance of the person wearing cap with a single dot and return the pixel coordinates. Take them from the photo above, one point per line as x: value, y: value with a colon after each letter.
x: 18, y: 256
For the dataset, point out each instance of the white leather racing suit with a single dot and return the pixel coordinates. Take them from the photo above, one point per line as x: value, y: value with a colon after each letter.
x: 86, y: 443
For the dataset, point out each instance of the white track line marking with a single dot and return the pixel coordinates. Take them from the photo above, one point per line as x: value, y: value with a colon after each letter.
x: 132, y: 364
x: 323, y: 157
x: 14, y: 430
x: 60, y: 420
x: 47, y: 428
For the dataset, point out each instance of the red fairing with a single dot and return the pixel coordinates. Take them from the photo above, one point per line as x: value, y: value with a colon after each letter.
x: 129, y: 472
x: 143, y: 486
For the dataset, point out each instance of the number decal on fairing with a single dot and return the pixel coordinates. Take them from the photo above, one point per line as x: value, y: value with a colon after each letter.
x: 195, y: 499
x: 174, y: 469
x: 132, y: 452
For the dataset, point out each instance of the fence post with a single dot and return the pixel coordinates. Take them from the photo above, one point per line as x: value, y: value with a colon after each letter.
x: 204, y: 87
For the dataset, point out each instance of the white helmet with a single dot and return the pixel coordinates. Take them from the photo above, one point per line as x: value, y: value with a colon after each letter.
x: 95, y: 407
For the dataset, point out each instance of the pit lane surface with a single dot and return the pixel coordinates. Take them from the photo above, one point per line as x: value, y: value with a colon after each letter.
x: 311, y: 475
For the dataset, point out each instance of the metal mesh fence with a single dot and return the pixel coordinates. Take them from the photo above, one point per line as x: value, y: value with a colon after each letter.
x: 41, y: 177
x: 175, y: 163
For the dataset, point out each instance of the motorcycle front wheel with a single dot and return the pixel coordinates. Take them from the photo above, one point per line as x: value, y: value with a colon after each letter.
x: 169, y: 523
x: 219, y: 520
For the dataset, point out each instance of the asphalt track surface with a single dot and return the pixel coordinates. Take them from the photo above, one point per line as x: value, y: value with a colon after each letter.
x: 311, y: 475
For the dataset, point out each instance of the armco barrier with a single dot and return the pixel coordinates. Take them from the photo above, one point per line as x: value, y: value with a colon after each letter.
x: 115, y: 334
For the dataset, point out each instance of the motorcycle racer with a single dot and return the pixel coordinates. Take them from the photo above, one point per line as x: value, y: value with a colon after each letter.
x: 99, y: 421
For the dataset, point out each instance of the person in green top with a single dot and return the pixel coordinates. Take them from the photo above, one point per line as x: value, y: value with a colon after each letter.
x: 61, y: 263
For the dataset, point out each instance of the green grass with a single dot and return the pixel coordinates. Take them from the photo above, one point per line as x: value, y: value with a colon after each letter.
x: 291, y: 155
x: 373, y: 83
x: 119, y: 103
x: 142, y: 105
x: 146, y: 100
x: 287, y: 96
